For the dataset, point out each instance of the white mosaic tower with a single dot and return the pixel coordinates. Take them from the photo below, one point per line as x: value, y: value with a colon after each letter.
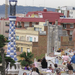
x: 11, y: 51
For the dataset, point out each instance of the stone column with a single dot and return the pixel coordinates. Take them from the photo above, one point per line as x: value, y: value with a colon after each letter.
x: 11, y: 51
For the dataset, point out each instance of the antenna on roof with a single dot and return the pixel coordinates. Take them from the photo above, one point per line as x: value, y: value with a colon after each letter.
x: 33, y: 5
x: 44, y: 3
x: 25, y: 9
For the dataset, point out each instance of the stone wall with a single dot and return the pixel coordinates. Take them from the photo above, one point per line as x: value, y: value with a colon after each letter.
x: 66, y: 43
x: 40, y: 47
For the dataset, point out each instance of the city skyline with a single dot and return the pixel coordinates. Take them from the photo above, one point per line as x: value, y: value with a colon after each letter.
x: 44, y: 3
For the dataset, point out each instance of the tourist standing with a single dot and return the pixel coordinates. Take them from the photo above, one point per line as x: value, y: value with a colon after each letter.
x: 66, y: 58
x: 44, y: 63
x: 62, y: 52
x: 73, y: 61
x: 56, y: 60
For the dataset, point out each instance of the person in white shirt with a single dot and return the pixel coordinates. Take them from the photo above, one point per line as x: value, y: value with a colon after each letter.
x: 34, y: 72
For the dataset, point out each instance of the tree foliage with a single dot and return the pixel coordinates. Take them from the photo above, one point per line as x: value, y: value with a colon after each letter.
x: 7, y: 60
x: 26, y: 58
x: 3, y: 40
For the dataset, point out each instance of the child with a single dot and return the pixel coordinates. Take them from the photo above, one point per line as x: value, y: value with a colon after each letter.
x: 56, y: 60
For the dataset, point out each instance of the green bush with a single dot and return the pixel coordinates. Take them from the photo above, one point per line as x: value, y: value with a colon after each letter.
x: 3, y: 40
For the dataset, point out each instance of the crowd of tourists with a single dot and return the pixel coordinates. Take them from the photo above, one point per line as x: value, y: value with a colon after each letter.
x: 64, y: 62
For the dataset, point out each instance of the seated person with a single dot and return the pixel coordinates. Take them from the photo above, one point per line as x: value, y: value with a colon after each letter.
x: 27, y: 67
x: 59, y: 50
x: 50, y: 70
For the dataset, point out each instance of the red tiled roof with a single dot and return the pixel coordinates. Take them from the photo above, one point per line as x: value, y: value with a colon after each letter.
x: 4, y: 19
x: 51, y: 16
x: 36, y: 12
x: 64, y: 20
x: 30, y: 19
x: 48, y: 15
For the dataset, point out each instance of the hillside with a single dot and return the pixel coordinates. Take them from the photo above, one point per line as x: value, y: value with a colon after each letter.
x: 23, y: 9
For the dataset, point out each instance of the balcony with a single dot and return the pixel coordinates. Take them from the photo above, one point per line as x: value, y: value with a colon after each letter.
x: 64, y: 27
x: 23, y: 43
x: 18, y: 26
x: 6, y: 31
x: 7, y: 25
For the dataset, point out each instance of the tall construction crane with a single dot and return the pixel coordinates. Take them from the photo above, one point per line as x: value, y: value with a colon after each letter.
x: 6, y: 8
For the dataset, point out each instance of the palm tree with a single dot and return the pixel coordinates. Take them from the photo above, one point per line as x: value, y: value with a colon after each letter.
x: 26, y: 58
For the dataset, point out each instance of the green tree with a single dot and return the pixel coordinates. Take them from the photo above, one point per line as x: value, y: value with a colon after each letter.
x: 26, y: 58
x: 3, y: 40
x: 7, y: 60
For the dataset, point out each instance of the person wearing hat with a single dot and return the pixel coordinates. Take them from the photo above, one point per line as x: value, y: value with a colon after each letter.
x: 73, y: 61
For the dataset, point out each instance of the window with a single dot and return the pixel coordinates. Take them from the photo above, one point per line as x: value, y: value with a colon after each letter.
x: 71, y: 32
x: 70, y: 38
x: 59, y: 38
x: 21, y: 49
x: 34, y: 39
x: 22, y: 38
x: 64, y: 26
x: 27, y: 38
x: 28, y: 50
x: 40, y: 29
x: 17, y: 48
x: 36, y: 29
x: 30, y: 39
x: 50, y: 22
x: 71, y: 26
x: 71, y: 12
x: 17, y: 37
x: 7, y: 23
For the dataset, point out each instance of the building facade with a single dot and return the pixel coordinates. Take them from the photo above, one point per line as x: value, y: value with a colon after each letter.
x: 4, y: 29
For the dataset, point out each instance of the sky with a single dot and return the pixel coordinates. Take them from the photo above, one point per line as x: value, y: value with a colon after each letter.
x: 44, y: 3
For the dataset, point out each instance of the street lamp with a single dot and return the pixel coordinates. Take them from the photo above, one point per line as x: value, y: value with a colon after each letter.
x: 13, y: 4
x: 11, y: 51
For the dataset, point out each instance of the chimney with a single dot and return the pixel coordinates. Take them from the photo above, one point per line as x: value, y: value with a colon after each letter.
x: 47, y: 22
x: 56, y: 22
x: 45, y: 10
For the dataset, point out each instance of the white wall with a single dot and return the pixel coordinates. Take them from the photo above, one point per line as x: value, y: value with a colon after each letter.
x: 72, y: 13
x: 33, y: 23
